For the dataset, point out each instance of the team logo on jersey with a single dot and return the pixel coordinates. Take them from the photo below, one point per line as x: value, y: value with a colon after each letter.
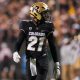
x: 30, y: 28
x: 37, y: 28
x: 42, y: 30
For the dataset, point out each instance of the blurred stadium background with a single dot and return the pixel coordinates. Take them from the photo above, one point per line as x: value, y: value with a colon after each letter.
x: 66, y: 18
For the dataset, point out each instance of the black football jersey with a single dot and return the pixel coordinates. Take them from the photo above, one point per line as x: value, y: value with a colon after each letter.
x: 35, y: 36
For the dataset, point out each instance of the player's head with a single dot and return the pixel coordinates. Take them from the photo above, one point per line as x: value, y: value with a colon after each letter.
x: 39, y: 11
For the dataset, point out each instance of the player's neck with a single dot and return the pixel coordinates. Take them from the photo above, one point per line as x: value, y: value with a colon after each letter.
x: 38, y: 22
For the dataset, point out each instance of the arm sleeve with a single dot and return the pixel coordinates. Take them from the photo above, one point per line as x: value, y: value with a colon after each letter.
x: 21, y: 37
x: 51, y: 41
x: 19, y: 41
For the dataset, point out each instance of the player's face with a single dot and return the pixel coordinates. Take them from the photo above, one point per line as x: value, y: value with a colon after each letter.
x: 46, y: 15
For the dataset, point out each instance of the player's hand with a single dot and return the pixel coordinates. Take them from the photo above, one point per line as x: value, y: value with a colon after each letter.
x: 16, y: 57
x: 57, y: 65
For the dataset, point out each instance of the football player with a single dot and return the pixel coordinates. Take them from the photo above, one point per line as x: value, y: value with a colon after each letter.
x: 35, y: 33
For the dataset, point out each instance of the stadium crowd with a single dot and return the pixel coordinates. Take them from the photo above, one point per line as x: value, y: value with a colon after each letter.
x: 66, y: 18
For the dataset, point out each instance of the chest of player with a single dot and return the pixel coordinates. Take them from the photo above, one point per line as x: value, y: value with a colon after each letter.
x: 36, y: 36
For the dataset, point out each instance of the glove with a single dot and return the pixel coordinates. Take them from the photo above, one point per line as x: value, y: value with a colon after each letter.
x: 57, y: 67
x: 16, y: 57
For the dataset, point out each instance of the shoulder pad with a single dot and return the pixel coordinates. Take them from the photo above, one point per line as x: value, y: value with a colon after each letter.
x: 48, y: 22
x: 26, y: 21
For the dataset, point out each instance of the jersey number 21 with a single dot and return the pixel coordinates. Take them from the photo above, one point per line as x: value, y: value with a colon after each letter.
x: 34, y: 40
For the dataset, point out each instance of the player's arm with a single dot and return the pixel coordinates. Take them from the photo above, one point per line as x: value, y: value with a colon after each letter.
x: 16, y: 56
x: 51, y: 41
x: 19, y: 41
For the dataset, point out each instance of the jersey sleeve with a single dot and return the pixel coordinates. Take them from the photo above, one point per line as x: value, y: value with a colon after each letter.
x: 22, y: 26
x: 50, y: 28
x: 51, y: 41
